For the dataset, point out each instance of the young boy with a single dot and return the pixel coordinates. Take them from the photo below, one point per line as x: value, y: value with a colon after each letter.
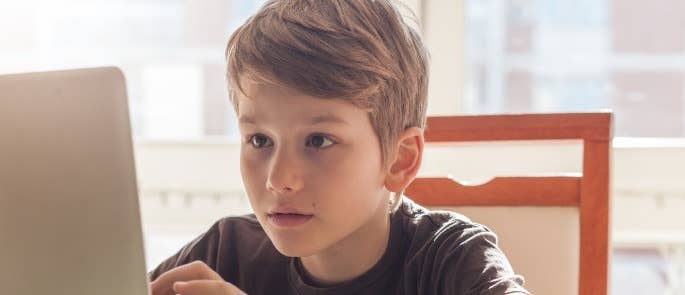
x: 331, y: 101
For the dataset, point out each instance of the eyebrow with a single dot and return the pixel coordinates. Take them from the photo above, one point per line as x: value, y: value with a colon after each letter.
x: 313, y: 120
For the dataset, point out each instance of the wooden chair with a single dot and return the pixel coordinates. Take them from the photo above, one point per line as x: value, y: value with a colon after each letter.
x: 555, y: 230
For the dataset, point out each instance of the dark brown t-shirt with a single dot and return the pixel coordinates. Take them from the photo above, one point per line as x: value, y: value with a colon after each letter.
x: 429, y: 252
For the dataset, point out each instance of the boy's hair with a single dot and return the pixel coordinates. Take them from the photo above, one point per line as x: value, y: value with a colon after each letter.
x: 361, y: 51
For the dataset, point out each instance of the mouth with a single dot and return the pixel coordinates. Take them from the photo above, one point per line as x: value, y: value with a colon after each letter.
x: 288, y: 219
x: 286, y: 209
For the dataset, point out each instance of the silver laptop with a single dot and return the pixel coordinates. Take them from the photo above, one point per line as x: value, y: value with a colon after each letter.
x: 69, y: 214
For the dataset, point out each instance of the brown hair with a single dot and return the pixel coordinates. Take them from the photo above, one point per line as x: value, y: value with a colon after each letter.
x: 361, y: 51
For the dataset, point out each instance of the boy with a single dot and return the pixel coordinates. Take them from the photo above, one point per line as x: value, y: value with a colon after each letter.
x: 331, y: 102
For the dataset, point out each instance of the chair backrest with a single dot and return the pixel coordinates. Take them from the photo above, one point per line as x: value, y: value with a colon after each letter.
x: 555, y: 230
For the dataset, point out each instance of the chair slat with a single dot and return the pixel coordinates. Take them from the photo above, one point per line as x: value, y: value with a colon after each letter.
x: 500, y: 191
x: 588, y: 126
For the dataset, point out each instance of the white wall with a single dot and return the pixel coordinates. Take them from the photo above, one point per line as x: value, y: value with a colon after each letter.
x: 648, y: 182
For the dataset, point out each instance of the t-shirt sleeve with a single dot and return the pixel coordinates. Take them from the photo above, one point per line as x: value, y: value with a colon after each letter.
x: 205, y: 248
x: 472, y: 263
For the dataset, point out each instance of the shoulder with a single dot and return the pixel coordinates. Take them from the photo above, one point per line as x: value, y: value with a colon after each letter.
x: 463, y: 255
x: 225, y: 230
x: 433, y: 225
x: 221, y: 243
x: 229, y: 224
x: 239, y: 234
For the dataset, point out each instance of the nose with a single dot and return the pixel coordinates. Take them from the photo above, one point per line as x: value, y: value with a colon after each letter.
x: 285, y: 173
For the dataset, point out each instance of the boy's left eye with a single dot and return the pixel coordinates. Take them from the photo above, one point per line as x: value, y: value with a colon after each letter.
x: 319, y: 141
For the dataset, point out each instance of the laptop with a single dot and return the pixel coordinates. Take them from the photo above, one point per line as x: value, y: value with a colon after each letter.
x: 69, y: 213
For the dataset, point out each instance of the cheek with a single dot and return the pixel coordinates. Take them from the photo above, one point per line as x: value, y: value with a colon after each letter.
x: 348, y: 188
x: 250, y: 169
x: 350, y: 168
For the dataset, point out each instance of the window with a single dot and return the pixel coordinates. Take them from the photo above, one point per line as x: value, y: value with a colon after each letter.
x: 567, y: 56
x: 172, y: 53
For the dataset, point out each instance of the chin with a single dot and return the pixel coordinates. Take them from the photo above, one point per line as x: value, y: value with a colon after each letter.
x: 293, y: 246
x: 293, y: 250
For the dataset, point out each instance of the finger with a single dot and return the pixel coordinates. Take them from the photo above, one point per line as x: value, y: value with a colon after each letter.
x: 205, y: 287
x: 196, y: 270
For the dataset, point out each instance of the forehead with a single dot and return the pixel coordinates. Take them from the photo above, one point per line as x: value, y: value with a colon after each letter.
x: 262, y: 102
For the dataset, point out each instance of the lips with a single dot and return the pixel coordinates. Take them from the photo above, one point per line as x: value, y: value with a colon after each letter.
x: 288, y: 219
x: 287, y: 210
x: 288, y: 216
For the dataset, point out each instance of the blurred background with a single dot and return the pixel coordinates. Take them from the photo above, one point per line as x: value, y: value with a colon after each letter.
x: 488, y: 56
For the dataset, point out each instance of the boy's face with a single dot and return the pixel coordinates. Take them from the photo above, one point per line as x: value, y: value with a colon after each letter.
x: 330, y: 170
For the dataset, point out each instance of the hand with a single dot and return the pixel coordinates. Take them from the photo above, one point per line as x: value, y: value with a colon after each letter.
x: 195, y: 278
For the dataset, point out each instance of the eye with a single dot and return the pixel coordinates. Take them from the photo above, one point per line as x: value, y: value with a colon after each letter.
x: 258, y: 140
x: 319, y: 141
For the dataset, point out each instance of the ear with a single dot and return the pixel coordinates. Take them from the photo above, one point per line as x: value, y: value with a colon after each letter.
x: 407, y: 160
